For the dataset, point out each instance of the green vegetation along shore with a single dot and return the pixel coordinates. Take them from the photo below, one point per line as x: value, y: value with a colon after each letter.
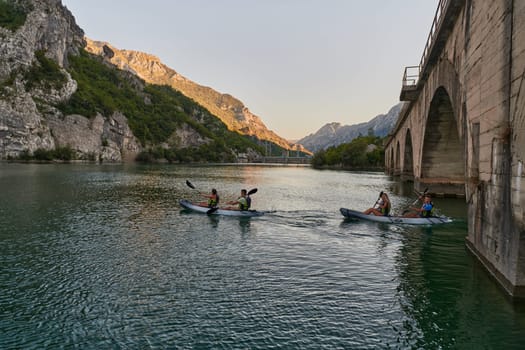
x: 363, y: 152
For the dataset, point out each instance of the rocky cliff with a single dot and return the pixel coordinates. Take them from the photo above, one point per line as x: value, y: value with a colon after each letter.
x: 34, y: 79
x: 333, y: 134
x: 229, y: 109
x: 58, y: 99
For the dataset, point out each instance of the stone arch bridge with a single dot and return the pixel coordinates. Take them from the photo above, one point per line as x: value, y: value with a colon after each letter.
x: 461, y: 131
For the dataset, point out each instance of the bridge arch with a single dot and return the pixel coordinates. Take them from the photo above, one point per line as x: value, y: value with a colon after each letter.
x: 408, y: 158
x: 443, y: 156
x: 398, y: 159
x: 391, y: 165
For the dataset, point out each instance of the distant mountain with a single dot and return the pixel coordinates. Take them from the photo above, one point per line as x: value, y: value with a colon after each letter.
x: 229, y: 109
x: 333, y: 134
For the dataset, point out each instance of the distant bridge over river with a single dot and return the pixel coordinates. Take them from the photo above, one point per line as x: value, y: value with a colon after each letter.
x: 283, y: 160
x: 462, y: 129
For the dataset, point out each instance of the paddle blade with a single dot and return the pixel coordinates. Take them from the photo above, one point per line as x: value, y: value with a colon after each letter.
x: 420, y: 193
x: 419, y: 196
x: 190, y: 185
x: 252, y: 191
x: 212, y: 210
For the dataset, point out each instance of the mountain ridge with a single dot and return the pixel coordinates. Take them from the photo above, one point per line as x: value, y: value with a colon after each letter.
x: 57, y: 101
x: 226, y: 107
x: 335, y: 133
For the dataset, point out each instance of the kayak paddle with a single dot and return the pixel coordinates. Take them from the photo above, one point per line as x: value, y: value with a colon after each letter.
x: 212, y: 210
x: 378, y: 199
x: 414, y: 203
x: 190, y: 185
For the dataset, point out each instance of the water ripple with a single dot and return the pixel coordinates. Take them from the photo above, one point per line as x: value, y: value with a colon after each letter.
x: 103, y: 257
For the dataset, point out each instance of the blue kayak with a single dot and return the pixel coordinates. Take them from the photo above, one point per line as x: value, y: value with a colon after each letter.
x: 432, y: 220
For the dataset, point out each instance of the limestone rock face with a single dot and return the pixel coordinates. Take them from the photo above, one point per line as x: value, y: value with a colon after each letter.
x: 21, y: 126
x: 98, y: 138
x: 28, y: 120
x: 230, y: 110
x: 49, y: 27
x: 187, y: 137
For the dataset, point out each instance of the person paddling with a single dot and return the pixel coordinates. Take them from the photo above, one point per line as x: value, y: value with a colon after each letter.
x: 383, y: 206
x: 213, y: 199
x: 425, y: 211
x: 243, y: 202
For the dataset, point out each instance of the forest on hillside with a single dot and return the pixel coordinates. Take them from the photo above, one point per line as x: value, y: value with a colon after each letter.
x: 363, y: 152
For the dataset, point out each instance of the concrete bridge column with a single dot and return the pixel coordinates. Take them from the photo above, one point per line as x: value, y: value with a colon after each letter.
x: 464, y: 126
x: 496, y: 195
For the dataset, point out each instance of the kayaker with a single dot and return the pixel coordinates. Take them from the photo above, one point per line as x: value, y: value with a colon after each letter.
x: 242, y: 202
x: 213, y: 199
x: 383, y: 206
x: 425, y: 211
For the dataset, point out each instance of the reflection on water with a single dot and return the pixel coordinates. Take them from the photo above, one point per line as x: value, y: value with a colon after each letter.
x: 102, y: 256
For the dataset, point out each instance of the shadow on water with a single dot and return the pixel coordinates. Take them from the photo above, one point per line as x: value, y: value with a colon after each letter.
x: 445, y: 298
x: 442, y: 290
x: 352, y: 222
x: 214, y: 220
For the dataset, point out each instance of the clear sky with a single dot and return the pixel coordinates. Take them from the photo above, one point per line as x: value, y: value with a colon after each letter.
x: 297, y: 64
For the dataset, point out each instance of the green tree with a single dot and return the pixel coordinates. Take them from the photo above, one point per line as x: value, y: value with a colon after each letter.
x: 12, y: 15
x: 355, y: 154
x: 154, y: 112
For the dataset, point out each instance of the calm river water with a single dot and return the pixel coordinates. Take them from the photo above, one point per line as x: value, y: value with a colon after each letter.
x: 102, y: 256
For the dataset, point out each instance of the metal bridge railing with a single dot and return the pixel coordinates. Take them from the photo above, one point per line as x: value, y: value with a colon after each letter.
x: 411, y: 76
x: 436, y: 24
x: 412, y: 73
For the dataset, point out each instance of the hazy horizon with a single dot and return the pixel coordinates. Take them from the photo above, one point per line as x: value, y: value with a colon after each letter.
x: 298, y: 65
